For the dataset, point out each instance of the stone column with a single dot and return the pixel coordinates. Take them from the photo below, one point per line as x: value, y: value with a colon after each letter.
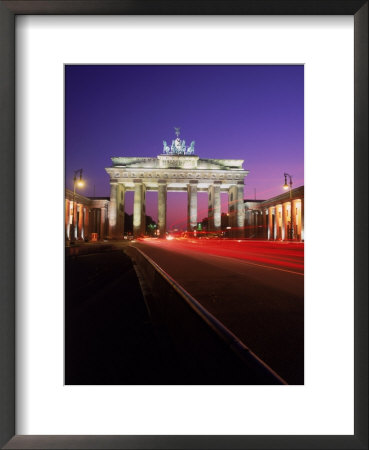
x: 294, y: 221
x: 80, y: 221
x: 143, y: 210
x: 74, y: 222
x: 297, y: 218
x: 83, y: 213
x: 275, y: 224
x: 211, y: 207
x: 289, y: 212
x: 217, y: 215
x: 121, y: 192
x: 231, y: 206
x: 67, y: 219
x: 87, y: 223
x: 192, y: 205
x: 270, y: 224
x: 278, y: 221
x: 162, y: 208
x: 240, y: 210
x: 113, y: 210
x: 302, y: 220
x: 137, y: 208
x: 284, y: 221
x: 232, y: 209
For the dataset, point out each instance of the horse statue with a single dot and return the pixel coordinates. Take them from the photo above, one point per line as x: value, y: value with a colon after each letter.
x: 165, y: 147
x: 191, y: 149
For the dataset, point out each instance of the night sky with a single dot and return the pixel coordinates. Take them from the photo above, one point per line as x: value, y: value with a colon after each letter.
x: 254, y: 113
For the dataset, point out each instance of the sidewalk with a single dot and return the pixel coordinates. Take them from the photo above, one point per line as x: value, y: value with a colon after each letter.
x: 109, y: 336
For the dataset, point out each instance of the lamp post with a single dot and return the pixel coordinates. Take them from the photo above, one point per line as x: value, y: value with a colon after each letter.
x: 80, y: 183
x: 286, y: 186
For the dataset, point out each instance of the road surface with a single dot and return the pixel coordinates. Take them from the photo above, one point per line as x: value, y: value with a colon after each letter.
x: 255, y: 288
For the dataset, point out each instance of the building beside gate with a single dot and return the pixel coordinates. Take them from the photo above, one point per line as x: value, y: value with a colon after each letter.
x: 177, y: 169
x: 278, y: 218
x: 91, y: 216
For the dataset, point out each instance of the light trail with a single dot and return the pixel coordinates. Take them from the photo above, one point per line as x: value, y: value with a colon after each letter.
x: 285, y: 257
x: 262, y: 265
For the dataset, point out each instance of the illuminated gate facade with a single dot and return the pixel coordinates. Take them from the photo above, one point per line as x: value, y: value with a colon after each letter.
x: 177, y: 169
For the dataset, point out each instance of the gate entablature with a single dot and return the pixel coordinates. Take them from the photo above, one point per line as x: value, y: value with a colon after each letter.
x: 177, y: 170
x: 177, y: 162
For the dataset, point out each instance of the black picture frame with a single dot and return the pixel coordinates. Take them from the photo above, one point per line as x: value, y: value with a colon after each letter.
x: 8, y: 11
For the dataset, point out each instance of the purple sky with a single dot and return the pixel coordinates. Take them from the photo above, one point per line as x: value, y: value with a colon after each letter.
x: 254, y: 113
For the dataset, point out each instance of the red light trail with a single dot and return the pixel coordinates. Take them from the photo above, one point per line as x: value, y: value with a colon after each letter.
x: 280, y: 255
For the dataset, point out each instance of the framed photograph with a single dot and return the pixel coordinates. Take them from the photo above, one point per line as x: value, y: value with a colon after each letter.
x: 155, y: 292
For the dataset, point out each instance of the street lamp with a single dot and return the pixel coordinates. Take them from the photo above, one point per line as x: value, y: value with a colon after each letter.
x: 286, y: 186
x: 80, y: 183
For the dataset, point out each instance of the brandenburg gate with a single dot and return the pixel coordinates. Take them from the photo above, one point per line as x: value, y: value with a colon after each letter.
x: 177, y: 169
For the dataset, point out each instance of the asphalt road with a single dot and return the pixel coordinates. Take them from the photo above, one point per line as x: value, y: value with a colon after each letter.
x: 256, y: 289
